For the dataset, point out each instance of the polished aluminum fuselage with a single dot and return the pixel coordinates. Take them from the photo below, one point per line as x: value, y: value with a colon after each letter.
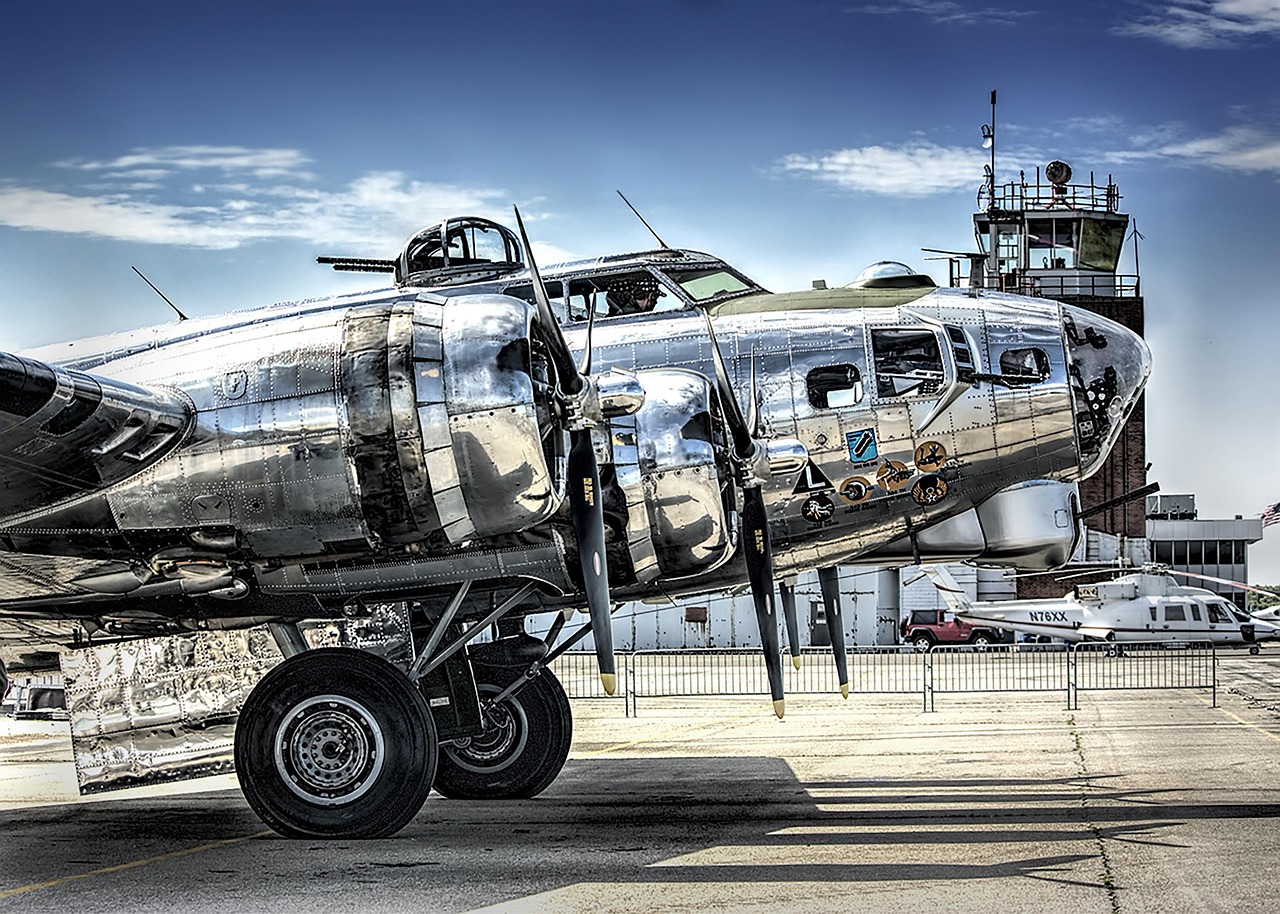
x: 399, y: 443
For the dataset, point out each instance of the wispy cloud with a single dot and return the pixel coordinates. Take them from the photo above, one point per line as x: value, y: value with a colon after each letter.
x: 1206, y: 23
x: 947, y: 12
x: 225, y: 197
x: 918, y: 169
x: 1245, y: 149
x: 261, y: 163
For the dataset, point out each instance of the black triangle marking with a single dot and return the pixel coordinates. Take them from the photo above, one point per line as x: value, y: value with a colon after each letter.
x: 812, y: 479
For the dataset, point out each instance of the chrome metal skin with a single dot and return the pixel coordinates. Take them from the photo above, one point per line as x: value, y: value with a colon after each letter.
x: 397, y: 430
x: 683, y: 475
x: 411, y: 447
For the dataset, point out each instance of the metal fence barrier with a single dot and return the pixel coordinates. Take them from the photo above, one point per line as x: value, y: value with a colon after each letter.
x: 1062, y: 668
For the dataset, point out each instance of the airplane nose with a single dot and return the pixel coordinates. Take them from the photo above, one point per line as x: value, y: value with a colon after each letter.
x: 1108, y: 366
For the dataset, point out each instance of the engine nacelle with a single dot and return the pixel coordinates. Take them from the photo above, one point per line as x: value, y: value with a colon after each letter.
x: 446, y: 428
x: 671, y: 461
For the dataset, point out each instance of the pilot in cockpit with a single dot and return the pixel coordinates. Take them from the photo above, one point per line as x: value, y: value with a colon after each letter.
x: 633, y: 294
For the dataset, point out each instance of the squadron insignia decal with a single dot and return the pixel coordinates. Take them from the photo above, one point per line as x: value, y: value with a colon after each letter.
x: 929, y: 490
x: 855, y: 490
x: 862, y: 445
x: 817, y: 509
x: 892, y: 475
x: 930, y: 455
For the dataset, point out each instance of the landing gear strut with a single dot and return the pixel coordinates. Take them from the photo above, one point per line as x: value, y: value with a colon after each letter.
x: 336, y: 743
x: 523, y: 746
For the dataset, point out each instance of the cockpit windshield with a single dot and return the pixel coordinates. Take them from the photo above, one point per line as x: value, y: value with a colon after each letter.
x: 705, y: 284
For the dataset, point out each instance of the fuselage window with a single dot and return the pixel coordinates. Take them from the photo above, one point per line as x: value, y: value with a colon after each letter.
x: 1195, y: 612
x: 1175, y: 613
x: 1025, y: 364
x: 1218, y: 613
x: 908, y: 362
x: 834, y: 386
x: 1152, y: 611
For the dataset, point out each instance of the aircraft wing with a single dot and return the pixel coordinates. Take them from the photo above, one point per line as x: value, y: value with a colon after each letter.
x: 66, y: 433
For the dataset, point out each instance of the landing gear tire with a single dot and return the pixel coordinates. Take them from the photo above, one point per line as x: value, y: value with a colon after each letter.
x: 1254, y: 649
x: 523, y: 747
x: 336, y: 743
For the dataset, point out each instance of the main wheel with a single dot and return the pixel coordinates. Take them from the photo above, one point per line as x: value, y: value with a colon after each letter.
x: 523, y: 747
x: 335, y: 743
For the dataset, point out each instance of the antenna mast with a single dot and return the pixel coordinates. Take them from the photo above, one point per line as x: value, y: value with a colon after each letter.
x: 641, y: 218
x: 181, y: 316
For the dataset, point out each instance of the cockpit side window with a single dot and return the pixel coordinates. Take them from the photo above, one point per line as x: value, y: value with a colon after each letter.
x: 908, y: 362
x: 637, y: 292
x: 555, y: 294
x: 1218, y: 612
x: 834, y: 386
x: 1031, y: 364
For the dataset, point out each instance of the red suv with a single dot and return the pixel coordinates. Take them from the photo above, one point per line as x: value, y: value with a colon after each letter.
x: 926, y: 627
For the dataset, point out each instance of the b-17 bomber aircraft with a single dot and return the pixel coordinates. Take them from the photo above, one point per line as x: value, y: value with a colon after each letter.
x: 481, y: 442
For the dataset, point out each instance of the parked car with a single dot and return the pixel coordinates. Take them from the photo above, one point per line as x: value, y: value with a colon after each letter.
x: 926, y: 628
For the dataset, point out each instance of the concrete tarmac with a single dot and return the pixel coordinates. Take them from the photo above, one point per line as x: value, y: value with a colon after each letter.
x: 1137, y: 802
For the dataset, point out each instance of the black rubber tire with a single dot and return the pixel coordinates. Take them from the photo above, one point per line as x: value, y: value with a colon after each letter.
x: 922, y: 643
x: 316, y: 705
x: 523, y: 748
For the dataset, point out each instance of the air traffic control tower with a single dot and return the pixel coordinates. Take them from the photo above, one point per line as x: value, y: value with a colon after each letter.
x: 1054, y: 237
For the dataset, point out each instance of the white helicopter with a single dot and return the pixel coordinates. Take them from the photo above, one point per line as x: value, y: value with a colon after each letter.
x: 1146, y: 605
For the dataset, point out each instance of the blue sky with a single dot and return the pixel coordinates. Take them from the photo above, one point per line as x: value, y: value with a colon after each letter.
x: 220, y: 147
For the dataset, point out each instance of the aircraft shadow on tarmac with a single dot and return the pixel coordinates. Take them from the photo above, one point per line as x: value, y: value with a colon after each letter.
x: 643, y: 820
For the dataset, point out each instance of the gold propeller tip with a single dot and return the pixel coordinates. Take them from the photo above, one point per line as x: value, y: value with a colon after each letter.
x: 795, y: 661
x: 780, y: 708
x: 844, y: 690
x: 610, y: 682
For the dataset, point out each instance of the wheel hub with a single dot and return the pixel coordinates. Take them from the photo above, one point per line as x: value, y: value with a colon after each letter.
x: 329, y: 750
x: 504, y: 737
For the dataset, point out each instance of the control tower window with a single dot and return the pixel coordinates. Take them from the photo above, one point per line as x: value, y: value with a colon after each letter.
x: 1100, y: 243
x: 1052, y: 243
x: 907, y: 362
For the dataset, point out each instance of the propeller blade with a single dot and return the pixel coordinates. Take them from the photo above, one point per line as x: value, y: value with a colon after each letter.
x: 738, y: 427
x: 789, y: 616
x: 588, y: 527
x: 570, y: 380
x: 829, y: 581
x: 759, y: 555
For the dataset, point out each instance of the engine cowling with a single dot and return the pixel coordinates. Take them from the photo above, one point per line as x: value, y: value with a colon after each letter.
x: 447, y: 425
x: 671, y: 461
